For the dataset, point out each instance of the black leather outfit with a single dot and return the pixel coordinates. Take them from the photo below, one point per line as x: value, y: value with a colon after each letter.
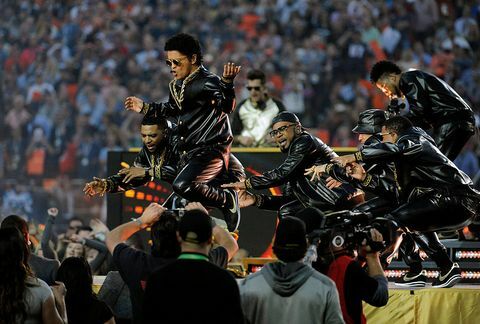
x: 299, y: 192
x: 435, y: 195
x: 433, y: 103
x: 204, y: 135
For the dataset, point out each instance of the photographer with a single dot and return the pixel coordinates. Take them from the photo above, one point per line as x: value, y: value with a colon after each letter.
x: 336, y: 260
x: 135, y: 265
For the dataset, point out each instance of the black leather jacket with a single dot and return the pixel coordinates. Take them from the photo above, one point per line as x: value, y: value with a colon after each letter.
x: 164, y: 166
x: 379, y: 180
x: 419, y: 165
x: 432, y: 101
x: 304, y: 152
x: 201, y: 118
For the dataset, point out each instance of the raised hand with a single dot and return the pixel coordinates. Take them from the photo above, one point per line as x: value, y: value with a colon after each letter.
x: 152, y: 213
x: 97, y: 186
x: 133, y: 103
x: 52, y: 212
x: 230, y: 71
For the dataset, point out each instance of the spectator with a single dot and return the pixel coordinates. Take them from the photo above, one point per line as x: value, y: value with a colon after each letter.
x: 165, y: 248
x: 43, y: 268
x: 24, y: 297
x: 82, y: 305
x: 193, y: 273
x: 253, y: 116
x: 305, y: 295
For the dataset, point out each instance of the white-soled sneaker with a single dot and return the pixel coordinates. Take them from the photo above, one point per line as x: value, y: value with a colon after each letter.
x: 449, y: 279
x: 414, y: 280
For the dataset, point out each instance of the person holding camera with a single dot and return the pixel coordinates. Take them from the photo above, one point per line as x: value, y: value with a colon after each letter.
x: 434, y: 194
x: 303, y: 151
x: 428, y: 102
x: 136, y: 265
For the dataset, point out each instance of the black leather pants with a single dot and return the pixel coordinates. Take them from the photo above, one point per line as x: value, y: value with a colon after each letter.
x: 430, y: 244
x: 199, y: 180
x: 434, y: 211
x: 451, y: 137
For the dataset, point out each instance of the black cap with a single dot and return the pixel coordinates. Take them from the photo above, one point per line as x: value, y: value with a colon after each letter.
x: 290, y: 234
x: 286, y: 116
x: 195, y: 227
x: 370, y: 121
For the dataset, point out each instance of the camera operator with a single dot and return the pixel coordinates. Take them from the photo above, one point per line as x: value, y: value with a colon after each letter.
x: 435, y: 195
x: 336, y: 260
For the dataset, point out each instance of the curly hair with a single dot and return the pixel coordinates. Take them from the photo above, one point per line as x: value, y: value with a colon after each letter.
x: 13, y: 276
x: 185, y: 44
x: 381, y: 68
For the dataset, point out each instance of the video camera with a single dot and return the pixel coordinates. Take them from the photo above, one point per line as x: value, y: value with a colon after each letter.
x: 347, y: 229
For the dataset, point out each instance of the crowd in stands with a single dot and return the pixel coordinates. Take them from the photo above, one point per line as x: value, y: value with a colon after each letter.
x: 67, y: 67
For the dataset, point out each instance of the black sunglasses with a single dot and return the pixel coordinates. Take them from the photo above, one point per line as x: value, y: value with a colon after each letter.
x: 176, y: 62
x: 279, y: 130
x: 253, y: 88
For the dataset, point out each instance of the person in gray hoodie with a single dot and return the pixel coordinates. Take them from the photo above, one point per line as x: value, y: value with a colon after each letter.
x: 288, y: 291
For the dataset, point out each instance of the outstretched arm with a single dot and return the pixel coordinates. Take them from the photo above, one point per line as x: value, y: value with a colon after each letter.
x: 121, y: 233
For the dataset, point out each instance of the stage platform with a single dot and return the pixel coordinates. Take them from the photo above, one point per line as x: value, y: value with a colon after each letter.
x: 457, y: 305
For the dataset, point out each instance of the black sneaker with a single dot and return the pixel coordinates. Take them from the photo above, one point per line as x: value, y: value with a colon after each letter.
x: 449, y: 279
x: 410, y: 279
x: 232, y: 215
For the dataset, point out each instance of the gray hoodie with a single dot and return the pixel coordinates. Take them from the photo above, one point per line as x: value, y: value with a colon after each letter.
x: 290, y: 293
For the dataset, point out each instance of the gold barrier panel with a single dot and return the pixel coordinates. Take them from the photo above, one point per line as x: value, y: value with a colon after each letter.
x: 428, y: 306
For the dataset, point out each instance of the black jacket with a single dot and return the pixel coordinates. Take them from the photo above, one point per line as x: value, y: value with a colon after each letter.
x: 202, y: 116
x: 163, y: 165
x: 304, y: 152
x: 379, y: 180
x: 432, y: 101
x: 419, y: 165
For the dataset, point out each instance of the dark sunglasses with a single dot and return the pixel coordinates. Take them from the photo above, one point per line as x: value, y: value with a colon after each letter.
x: 253, y: 88
x: 176, y: 62
x: 279, y: 130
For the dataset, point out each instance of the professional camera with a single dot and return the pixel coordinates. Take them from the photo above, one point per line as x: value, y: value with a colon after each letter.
x: 346, y: 229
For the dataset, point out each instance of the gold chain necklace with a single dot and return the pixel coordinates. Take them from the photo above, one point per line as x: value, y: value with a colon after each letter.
x: 173, y: 89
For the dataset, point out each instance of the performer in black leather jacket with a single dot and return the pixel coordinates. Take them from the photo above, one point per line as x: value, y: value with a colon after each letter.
x: 378, y: 178
x: 199, y: 103
x: 304, y: 150
x: 158, y: 159
x: 435, y: 195
x: 430, y: 103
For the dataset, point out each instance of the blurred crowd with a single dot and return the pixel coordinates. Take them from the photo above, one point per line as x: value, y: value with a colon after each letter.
x: 67, y: 67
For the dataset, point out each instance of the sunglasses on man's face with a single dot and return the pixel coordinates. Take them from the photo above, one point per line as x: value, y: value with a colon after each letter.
x: 279, y: 130
x: 176, y: 62
x: 254, y: 88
